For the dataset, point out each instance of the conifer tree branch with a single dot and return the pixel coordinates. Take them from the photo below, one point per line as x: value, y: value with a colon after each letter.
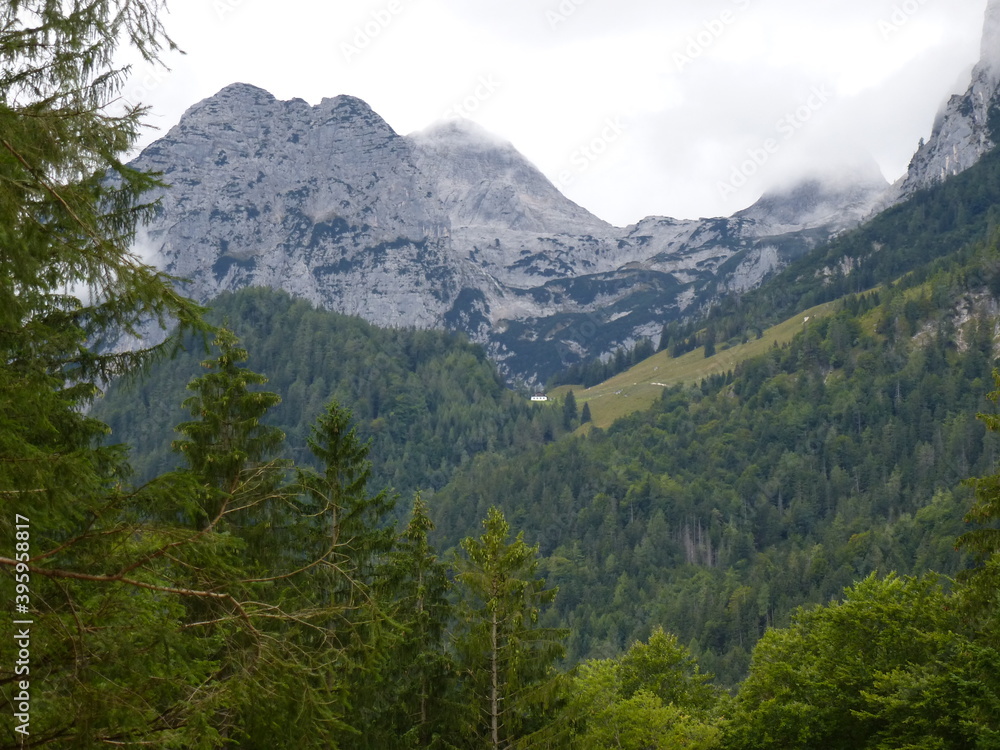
x: 117, y: 578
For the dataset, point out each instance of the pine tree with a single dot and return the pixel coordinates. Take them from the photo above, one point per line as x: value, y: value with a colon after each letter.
x: 227, y: 446
x: 68, y: 281
x: 585, y: 414
x: 569, y: 411
x: 417, y: 673
x: 709, y: 342
x: 164, y: 615
x: 268, y: 546
x: 505, y: 657
x: 667, y: 334
x: 103, y: 603
x: 354, y: 527
x: 357, y: 522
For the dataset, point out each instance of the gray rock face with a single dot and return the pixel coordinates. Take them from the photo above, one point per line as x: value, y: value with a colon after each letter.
x: 837, y: 201
x: 449, y: 227
x: 966, y: 128
x: 482, y: 181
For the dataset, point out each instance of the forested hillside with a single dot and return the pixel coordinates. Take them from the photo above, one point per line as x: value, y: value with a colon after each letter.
x: 426, y: 400
x: 715, y: 513
x: 934, y: 223
x: 726, y: 505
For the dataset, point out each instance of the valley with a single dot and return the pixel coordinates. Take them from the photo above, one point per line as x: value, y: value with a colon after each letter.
x: 288, y: 487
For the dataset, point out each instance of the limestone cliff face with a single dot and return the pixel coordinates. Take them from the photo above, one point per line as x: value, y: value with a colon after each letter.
x: 967, y: 127
x: 482, y: 181
x: 449, y: 227
x: 302, y: 198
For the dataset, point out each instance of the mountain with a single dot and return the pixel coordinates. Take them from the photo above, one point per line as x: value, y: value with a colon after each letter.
x: 450, y: 227
x: 834, y: 200
x: 968, y: 125
x: 484, y: 184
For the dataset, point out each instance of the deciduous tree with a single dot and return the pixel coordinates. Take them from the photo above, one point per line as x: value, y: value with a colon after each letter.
x: 653, y: 697
x: 888, y: 667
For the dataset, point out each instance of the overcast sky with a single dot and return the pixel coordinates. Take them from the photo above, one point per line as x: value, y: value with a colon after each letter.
x: 632, y: 107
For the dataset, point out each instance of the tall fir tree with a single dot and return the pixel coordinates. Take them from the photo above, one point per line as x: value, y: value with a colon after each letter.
x: 505, y: 657
x: 226, y: 445
x: 416, y: 674
x: 356, y: 526
x: 278, y: 563
x: 569, y: 411
x: 708, y: 340
x: 102, y: 604
x: 358, y: 523
x: 665, y: 334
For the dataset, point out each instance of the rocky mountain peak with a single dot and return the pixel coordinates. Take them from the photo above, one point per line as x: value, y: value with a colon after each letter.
x: 229, y: 105
x: 350, y: 112
x: 485, y: 182
x: 236, y: 95
x: 447, y: 227
x: 990, y: 49
x: 964, y: 129
x: 836, y: 197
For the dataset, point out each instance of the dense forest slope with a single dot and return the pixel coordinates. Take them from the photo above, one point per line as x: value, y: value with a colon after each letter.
x: 726, y: 505
x: 427, y: 400
x: 933, y: 223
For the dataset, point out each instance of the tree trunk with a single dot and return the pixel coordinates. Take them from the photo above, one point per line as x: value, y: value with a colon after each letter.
x: 494, y: 685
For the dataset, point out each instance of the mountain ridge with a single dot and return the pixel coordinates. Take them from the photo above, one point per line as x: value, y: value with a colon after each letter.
x: 451, y: 227
x: 966, y: 127
x: 448, y: 227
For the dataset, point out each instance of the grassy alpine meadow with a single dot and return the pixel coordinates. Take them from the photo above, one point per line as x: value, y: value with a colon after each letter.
x: 638, y: 387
